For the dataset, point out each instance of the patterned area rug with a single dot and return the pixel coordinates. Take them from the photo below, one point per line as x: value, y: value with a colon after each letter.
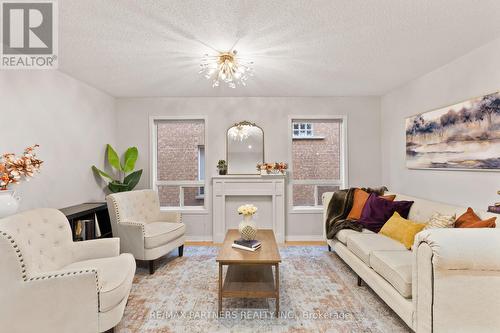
x: 318, y: 294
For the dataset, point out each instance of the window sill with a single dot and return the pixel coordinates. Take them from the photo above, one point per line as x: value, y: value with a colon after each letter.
x: 308, y: 138
x: 306, y: 210
x: 188, y: 210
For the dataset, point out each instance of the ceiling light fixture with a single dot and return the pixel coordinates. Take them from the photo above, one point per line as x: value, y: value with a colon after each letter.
x: 239, y: 133
x: 226, y: 67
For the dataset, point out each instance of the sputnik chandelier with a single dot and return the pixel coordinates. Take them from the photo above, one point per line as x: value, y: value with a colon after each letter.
x: 226, y: 67
x: 239, y: 132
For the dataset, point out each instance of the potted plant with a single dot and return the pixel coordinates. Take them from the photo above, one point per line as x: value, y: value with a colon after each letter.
x: 127, y: 177
x: 222, y: 167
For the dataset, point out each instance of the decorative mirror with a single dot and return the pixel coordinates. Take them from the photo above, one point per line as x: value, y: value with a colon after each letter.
x: 244, y: 148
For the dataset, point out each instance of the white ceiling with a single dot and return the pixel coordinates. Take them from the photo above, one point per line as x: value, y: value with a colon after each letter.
x: 300, y: 47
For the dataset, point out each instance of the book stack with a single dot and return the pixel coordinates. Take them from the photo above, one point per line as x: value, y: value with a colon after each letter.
x: 248, y: 245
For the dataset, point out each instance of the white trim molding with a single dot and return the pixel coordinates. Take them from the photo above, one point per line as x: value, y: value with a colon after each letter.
x: 154, y: 183
x: 344, y: 159
x: 224, y: 186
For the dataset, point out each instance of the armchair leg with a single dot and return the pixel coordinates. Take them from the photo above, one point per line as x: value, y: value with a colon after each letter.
x: 181, y: 250
x: 151, y: 267
x: 329, y: 248
x: 360, y: 281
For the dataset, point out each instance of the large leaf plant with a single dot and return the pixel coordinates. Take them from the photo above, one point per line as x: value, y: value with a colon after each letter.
x: 127, y: 177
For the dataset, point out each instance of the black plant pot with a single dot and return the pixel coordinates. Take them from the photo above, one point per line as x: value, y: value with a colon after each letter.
x: 222, y: 172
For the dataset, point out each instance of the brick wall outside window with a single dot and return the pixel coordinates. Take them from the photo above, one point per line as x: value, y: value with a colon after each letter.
x: 177, y: 159
x: 316, y: 158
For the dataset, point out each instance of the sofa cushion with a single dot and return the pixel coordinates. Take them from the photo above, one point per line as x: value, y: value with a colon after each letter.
x: 469, y: 219
x: 362, y: 245
x: 160, y: 233
x: 395, y: 267
x: 115, y: 276
x: 344, y: 233
x: 377, y: 211
x: 359, y: 200
x: 401, y: 230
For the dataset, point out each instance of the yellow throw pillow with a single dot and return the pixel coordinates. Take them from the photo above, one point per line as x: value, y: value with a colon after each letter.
x: 401, y: 230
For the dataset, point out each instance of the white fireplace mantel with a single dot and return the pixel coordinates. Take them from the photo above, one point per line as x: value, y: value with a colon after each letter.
x: 252, y: 185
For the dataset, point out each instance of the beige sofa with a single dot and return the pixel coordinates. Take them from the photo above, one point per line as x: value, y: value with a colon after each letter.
x: 449, y: 282
x: 52, y: 284
x: 143, y: 229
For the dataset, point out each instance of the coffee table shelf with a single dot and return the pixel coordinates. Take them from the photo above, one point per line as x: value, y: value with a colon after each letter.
x: 249, y: 274
x: 249, y: 281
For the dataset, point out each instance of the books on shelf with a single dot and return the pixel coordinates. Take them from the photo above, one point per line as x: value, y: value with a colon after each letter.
x: 249, y: 245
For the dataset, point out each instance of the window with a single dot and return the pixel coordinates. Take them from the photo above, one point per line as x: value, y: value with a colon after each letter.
x: 201, y: 171
x: 179, y: 162
x: 302, y: 130
x: 317, y: 164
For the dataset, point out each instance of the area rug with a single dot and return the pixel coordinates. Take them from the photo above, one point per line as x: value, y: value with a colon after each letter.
x: 318, y: 294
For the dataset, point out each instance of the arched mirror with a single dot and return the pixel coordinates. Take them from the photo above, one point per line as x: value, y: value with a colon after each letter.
x: 244, y: 148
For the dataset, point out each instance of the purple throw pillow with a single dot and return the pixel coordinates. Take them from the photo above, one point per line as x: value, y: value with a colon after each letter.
x: 378, y: 210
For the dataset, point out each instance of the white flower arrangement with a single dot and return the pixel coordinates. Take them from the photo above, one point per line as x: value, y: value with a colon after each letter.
x: 247, y: 210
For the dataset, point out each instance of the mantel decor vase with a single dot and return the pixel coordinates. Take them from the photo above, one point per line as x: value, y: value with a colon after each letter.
x: 247, y: 228
x: 9, y: 203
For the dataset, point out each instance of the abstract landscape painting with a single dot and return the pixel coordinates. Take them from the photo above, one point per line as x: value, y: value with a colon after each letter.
x: 463, y: 136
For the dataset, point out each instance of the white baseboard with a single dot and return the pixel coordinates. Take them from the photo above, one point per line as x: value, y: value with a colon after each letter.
x: 290, y: 238
x: 304, y: 238
x: 198, y: 238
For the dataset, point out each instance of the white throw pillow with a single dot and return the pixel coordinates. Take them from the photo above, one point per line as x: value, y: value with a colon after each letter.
x: 438, y: 220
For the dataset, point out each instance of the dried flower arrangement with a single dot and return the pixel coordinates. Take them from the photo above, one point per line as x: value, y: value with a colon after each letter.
x: 13, y: 168
x: 275, y: 167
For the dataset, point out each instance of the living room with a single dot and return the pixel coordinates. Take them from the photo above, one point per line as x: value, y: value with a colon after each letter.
x: 351, y: 147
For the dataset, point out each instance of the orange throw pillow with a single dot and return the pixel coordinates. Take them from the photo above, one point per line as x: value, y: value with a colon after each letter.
x: 359, y: 202
x: 469, y: 219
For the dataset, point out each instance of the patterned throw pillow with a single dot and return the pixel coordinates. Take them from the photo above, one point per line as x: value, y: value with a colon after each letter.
x: 438, y: 220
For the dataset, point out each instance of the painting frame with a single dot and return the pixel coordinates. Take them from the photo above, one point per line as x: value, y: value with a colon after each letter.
x: 474, y: 124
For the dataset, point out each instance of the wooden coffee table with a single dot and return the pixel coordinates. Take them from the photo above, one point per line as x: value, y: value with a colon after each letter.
x: 249, y: 274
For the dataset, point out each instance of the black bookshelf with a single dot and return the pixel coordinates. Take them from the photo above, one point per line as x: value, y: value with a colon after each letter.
x: 88, y: 212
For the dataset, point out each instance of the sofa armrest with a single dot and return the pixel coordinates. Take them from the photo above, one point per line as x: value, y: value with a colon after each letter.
x: 58, y: 301
x: 96, y: 248
x: 173, y: 217
x: 453, y: 270
x: 463, y: 248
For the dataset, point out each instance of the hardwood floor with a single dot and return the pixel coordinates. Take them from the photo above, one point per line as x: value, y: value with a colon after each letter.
x: 294, y: 243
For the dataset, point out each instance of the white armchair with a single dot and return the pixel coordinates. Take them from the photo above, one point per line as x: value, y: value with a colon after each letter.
x: 52, y: 284
x: 143, y: 229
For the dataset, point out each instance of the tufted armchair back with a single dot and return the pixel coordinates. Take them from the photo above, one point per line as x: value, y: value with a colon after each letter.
x: 141, y: 205
x: 43, y: 238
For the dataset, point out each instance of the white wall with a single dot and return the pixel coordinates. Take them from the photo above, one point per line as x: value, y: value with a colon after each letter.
x: 272, y: 115
x: 474, y: 74
x: 70, y: 121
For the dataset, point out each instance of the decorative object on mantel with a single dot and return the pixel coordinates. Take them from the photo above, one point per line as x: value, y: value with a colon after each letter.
x: 227, y: 67
x: 12, y: 170
x: 124, y: 182
x: 464, y: 136
x: 272, y: 168
x: 247, y: 227
x: 222, y: 167
x: 496, y: 207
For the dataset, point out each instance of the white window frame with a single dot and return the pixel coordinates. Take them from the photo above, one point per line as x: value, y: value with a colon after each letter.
x: 342, y: 182
x: 154, y: 182
x: 199, y: 194
x: 302, y: 133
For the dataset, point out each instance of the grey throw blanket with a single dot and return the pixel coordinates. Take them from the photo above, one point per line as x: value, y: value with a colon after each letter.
x: 339, y: 207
